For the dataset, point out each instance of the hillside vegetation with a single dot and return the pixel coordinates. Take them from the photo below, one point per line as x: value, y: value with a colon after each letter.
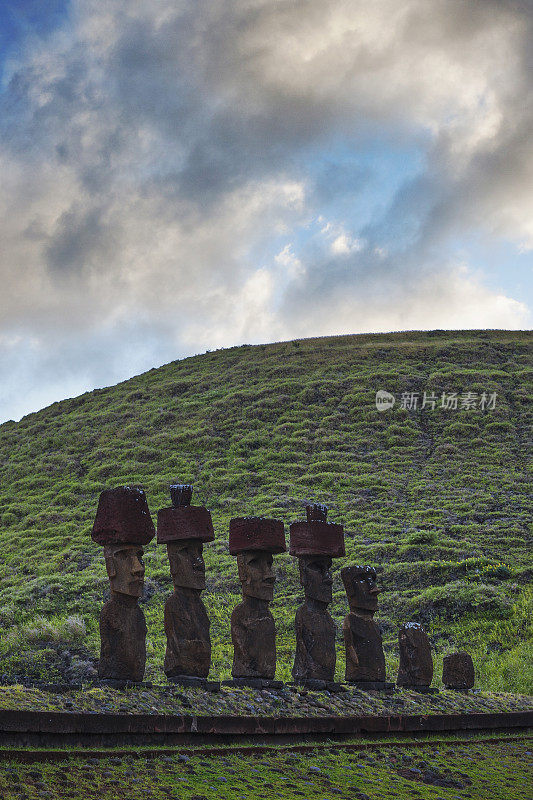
x: 437, y: 499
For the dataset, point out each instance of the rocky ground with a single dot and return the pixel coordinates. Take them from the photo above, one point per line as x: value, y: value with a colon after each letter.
x: 286, y: 702
x: 476, y: 769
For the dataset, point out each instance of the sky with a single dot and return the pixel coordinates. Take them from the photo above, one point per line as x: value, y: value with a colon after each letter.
x: 184, y: 175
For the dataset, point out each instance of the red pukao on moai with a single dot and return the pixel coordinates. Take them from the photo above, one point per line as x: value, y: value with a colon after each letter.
x: 315, y: 543
x: 123, y: 525
x: 184, y: 529
x: 254, y: 540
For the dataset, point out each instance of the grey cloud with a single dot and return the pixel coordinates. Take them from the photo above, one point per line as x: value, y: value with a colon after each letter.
x: 152, y: 152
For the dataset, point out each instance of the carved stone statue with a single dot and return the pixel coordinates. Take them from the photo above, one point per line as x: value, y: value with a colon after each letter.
x: 458, y: 671
x: 365, y: 660
x: 254, y: 540
x: 315, y: 543
x: 416, y: 664
x: 184, y: 529
x: 123, y: 524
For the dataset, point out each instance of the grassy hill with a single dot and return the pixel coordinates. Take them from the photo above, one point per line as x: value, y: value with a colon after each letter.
x: 437, y: 499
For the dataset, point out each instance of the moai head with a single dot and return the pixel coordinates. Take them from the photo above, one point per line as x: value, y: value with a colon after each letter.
x: 316, y: 577
x: 184, y: 529
x: 254, y: 540
x: 256, y: 574
x: 361, y: 588
x: 125, y: 568
x: 316, y: 542
x: 123, y: 525
x: 187, y: 565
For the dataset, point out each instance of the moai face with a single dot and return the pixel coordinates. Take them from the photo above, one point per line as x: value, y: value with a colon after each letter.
x: 361, y: 588
x: 255, y: 574
x: 125, y: 568
x: 187, y: 565
x: 316, y: 578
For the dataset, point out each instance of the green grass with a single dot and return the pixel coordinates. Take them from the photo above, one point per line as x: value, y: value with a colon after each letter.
x: 501, y: 770
x: 437, y: 500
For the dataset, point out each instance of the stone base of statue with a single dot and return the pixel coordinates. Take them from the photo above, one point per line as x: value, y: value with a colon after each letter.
x: 194, y: 682
x: 372, y: 686
x: 320, y: 686
x: 254, y: 683
x: 117, y: 684
x: 420, y: 689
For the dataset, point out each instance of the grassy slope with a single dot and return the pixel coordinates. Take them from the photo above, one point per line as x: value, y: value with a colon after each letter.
x: 438, y: 499
x: 472, y: 769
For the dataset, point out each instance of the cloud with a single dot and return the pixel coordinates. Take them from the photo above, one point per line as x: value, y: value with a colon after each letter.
x: 169, y: 169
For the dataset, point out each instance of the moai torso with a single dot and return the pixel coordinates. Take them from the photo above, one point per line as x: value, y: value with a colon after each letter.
x: 416, y: 664
x: 123, y: 640
x: 315, y: 645
x: 365, y: 660
x: 253, y: 634
x: 187, y: 630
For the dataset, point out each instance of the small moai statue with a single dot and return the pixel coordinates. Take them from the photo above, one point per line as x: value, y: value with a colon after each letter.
x: 254, y: 540
x: 365, y: 660
x: 184, y: 529
x: 123, y: 525
x: 458, y: 672
x: 315, y: 543
x: 416, y: 665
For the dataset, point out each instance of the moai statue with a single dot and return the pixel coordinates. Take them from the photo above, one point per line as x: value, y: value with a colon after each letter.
x: 123, y: 525
x: 315, y: 543
x: 458, y: 671
x: 365, y: 660
x: 416, y: 665
x: 184, y: 529
x: 254, y: 540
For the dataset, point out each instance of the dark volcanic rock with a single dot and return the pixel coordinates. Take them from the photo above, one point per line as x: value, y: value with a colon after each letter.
x: 253, y: 634
x: 187, y: 630
x: 123, y: 640
x: 365, y: 660
x: 458, y: 671
x: 315, y: 644
x: 416, y: 664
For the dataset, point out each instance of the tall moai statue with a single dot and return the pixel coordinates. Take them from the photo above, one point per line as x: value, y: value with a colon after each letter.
x: 184, y: 529
x: 123, y: 525
x: 254, y: 540
x: 365, y: 660
x: 315, y: 543
x: 416, y: 665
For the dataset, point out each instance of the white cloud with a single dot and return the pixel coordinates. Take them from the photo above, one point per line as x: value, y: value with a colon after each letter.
x: 156, y: 176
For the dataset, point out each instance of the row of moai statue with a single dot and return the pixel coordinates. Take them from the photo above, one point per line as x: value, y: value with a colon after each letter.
x: 123, y: 525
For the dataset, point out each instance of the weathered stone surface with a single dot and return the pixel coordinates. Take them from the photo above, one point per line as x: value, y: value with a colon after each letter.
x: 316, y: 536
x: 365, y: 660
x: 187, y: 630
x: 253, y: 634
x: 256, y: 533
x: 416, y: 664
x: 458, y: 671
x: 123, y: 640
x: 122, y: 624
x: 315, y: 630
x: 315, y: 644
x: 123, y: 517
x: 188, y: 650
x: 185, y: 522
